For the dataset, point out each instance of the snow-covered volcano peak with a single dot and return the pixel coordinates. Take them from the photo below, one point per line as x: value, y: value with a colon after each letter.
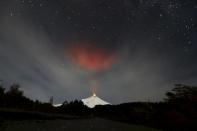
x: 93, y: 100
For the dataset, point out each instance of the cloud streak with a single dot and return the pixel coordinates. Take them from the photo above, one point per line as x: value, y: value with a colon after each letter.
x: 146, y: 68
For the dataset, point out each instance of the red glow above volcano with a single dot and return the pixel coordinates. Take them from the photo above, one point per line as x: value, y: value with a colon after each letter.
x: 90, y: 57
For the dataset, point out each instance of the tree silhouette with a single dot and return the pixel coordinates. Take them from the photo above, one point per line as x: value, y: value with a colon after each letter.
x: 2, y: 90
x: 14, y: 96
x: 2, y: 95
x: 14, y: 91
x: 182, y: 93
x: 182, y: 102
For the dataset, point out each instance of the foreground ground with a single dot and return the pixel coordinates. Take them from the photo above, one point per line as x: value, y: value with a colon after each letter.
x: 93, y: 124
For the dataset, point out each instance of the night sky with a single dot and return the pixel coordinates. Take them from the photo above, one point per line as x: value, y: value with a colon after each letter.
x: 125, y: 50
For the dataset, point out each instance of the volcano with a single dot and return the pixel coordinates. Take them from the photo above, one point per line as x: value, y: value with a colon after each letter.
x: 90, y: 102
x: 93, y: 100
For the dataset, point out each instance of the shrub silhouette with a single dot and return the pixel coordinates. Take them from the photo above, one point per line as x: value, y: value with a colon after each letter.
x: 75, y: 107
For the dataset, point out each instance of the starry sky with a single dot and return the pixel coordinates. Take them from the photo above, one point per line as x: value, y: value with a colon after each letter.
x: 125, y: 50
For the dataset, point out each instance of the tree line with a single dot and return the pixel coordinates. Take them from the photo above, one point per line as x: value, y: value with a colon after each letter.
x: 177, y: 111
x: 14, y: 98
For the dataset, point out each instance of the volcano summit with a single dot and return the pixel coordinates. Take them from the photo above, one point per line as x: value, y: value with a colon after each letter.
x: 93, y: 100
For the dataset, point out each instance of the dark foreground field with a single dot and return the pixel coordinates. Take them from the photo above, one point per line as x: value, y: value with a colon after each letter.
x: 90, y: 124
